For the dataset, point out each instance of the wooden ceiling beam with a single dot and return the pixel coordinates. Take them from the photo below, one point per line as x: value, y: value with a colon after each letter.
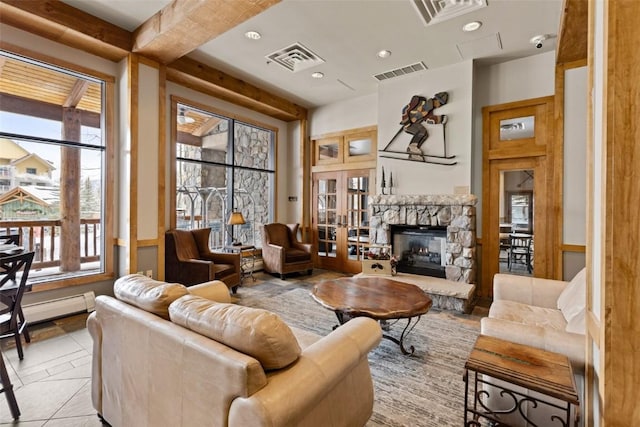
x: 77, y: 92
x: 43, y: 110
x: 65, y: 24
x: 200, y: 77
x: 187, y: 138
x: 184, y: 25
x: 207, y: 126
x: 572, y: 41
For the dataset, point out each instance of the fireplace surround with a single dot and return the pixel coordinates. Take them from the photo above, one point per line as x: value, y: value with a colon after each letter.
x: 455, y: 213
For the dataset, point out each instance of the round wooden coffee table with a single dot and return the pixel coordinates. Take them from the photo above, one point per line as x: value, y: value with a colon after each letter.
x: 377, y: 297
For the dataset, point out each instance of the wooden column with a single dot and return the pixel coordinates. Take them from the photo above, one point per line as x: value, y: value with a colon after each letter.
x: 70, y: 193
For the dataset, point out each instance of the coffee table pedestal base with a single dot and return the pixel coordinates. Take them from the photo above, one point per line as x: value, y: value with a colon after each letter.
x: 342, y: 318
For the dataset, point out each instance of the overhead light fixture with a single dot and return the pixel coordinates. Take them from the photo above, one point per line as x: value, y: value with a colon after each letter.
x: 317, y: 75
x: 183, y: 119
x: 471, y: 26
x: 384, y: 54
x: 253, y: 35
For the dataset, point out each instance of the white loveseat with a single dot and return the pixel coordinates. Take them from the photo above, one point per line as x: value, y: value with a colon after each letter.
x: 541, y: 313
x: 165, y: 355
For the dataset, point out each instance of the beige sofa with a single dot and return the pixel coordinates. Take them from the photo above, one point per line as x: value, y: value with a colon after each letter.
x: 542, y: 313
x: 167, y: 355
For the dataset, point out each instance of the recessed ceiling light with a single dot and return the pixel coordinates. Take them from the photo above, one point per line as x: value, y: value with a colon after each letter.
x: 471, y: 26
x: 317, y: 75
x: 384, y: 54
x: 253, y: 35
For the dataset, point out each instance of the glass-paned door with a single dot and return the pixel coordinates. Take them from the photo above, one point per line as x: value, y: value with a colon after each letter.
x: 341, y: 218
x: 357, y: 213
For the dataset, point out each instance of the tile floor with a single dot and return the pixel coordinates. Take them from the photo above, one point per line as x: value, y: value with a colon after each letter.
x: 52, y: 383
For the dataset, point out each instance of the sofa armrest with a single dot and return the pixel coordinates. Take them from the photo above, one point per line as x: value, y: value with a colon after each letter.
x: 273, y: 256
x: 569, y: 344
x: 215, y: 290
x: 93, y: 326
x: 527, y: 290
x: 330, y: 380
x: 223, y: 258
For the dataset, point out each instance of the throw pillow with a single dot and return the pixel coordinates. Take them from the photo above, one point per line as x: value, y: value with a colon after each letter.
x: 255, y: 332
x: 148, y: 294
x: 573, y: 298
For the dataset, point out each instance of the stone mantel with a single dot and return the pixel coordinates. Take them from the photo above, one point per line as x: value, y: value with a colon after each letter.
x: 424, y: 199
x: 457, y: 212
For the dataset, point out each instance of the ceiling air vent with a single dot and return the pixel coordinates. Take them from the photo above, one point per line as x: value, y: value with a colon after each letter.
x: 419, y: 66
x: 434, y: 11
x: 295, y: 58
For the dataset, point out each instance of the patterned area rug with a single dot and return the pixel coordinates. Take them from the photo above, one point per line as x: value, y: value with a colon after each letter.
x: 425, y: 389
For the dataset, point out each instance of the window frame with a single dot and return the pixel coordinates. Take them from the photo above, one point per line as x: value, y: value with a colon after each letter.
x: 174, y: 101
x: 108, y: 168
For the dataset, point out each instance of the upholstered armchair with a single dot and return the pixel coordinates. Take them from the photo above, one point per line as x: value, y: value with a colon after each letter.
x: 189, y: 261
x: 282, y: 253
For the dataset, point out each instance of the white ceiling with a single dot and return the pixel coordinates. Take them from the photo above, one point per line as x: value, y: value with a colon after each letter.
x: 347, y: 34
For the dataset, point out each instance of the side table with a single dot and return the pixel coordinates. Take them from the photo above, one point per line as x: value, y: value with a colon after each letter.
x: 544, y: 372
x: 247, y: 259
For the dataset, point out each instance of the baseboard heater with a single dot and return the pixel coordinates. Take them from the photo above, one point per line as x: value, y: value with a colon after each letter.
x: 59, y: 307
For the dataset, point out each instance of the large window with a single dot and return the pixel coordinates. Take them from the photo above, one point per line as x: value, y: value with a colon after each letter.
x: 52, y: 163
x: 223, y: 164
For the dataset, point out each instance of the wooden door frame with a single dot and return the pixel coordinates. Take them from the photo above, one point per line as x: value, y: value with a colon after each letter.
x: 341, y: 261
x: 539, y: 152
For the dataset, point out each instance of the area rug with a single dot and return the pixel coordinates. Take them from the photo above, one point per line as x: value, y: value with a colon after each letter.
x: 424, y: 389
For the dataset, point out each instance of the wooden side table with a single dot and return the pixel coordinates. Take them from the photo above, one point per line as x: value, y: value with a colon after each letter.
x: 547, y: 373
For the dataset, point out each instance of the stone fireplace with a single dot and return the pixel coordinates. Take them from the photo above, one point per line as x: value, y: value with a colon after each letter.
x: 456, y: 213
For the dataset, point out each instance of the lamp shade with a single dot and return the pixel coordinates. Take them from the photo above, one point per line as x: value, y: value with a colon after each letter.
x: 236, y: 218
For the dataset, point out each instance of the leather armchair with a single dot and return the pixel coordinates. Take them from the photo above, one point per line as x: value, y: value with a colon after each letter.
x: 189, y: 261
x: 282, y: 253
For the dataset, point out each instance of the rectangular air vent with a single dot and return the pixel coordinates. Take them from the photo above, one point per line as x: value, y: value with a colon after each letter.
x: 295, y: 58
x: 434, y: 11
x: 418, y: 66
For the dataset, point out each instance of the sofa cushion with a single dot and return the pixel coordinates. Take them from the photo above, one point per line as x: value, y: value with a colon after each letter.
x: 148, y: 294
x: 573, y: 298
x: 255, y: 332
x: 528, y: 314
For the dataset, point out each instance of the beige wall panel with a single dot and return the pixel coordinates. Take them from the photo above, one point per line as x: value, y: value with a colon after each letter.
x: 147, y: 190
x: 575, y: 157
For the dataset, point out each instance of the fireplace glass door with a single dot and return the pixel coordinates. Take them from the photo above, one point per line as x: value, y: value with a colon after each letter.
x: 341, y: 218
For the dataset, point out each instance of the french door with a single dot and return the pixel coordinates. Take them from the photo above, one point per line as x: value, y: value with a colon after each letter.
x: 341, y: 218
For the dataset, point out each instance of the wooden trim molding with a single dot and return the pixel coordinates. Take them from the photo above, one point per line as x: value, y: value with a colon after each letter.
x: 203, y: 78
x: 57, y: 21
x: 573, y: 248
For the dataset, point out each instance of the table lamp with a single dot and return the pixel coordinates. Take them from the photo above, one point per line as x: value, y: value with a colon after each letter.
x: 236, y: 218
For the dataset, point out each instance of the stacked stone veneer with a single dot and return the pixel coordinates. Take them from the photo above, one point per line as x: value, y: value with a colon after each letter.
x: 456, y: 212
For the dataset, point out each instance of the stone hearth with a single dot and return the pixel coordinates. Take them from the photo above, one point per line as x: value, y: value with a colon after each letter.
x: 456, y: 212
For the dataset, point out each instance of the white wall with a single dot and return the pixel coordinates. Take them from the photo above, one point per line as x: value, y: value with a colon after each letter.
x: 412, y: 177
x: 349, y: 114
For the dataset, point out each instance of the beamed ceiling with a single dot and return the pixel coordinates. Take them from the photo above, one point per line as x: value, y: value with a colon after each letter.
x: 184, y: 26
x: 161, y: 38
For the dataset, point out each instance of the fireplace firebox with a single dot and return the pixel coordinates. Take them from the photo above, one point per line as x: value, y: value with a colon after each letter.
x: 421, y: 249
